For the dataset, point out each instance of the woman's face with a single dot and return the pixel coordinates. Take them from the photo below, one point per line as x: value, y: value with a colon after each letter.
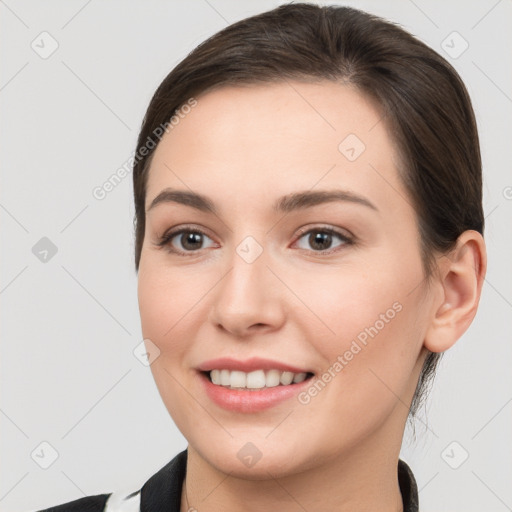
x: 266, y: 280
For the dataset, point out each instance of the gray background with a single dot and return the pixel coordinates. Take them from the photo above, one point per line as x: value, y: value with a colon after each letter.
x: 69, y: 325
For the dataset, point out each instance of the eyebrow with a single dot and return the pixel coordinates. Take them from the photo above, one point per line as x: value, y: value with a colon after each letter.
x: 285, y: 204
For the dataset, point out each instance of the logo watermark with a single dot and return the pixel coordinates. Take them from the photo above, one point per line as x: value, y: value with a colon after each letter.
x: 101, y: 191
x: 342, y: 360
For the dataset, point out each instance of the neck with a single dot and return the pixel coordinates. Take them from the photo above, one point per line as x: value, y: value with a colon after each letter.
x: 357, y: 480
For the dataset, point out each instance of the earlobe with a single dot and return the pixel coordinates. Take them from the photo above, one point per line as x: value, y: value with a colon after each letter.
x: 459, y: 285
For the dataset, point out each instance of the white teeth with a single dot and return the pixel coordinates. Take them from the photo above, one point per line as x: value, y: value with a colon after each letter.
x: 238, y: 379
x: 272, y: 378
x: 299, y: 377
x: 215, y: 376
x: 225, y: 379
x: 256, y: 379
x: 286, y: 378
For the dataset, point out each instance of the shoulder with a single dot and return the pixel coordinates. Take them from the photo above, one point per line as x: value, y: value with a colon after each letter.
x: 87, y: 504
x: 163, y: 488
x: 114, y: 502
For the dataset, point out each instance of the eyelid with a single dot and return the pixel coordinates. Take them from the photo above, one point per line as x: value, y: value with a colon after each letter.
x: 184, y: 227
x: 347, y: 237
x: 343, y: 234
x: 165, y: 239
x: 327, y: 227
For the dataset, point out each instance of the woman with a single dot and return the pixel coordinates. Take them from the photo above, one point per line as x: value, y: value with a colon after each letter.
x: 308, y: 201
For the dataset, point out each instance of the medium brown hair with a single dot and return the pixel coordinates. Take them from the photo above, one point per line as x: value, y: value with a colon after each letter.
x: 426, y: 107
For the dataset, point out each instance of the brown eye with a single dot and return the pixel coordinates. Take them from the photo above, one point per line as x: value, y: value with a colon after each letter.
x: 321, y: 239
x: 184, y: 241
x: 191, y: 240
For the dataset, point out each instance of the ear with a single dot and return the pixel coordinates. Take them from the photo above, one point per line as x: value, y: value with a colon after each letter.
x: 459, y: 285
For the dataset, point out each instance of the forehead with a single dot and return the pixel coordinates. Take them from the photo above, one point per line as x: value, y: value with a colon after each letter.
x: 269, y: 139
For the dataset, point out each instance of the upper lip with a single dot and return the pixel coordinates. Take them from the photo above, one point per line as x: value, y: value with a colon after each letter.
x: 249, y: 365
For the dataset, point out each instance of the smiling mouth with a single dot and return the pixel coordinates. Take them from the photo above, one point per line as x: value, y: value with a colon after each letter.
x: 255, y: 380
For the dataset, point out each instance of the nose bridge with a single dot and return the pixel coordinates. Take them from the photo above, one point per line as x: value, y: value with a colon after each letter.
x: 245, y: 296
x: 244, y: 283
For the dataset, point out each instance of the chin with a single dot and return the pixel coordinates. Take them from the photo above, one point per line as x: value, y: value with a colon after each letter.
x: 258, y: 459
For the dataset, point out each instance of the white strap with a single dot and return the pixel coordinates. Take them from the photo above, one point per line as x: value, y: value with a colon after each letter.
x: 119, y: 502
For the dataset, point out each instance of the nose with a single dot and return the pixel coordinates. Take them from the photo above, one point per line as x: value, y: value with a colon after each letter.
x: 249, y: 298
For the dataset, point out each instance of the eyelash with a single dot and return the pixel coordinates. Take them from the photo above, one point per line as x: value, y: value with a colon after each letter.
x: 165, y: 240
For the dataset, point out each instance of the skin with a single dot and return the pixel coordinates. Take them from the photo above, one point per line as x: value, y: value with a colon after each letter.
x: 244, y: 147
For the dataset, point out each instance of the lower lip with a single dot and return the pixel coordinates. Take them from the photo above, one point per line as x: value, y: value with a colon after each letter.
x: 244, y: 400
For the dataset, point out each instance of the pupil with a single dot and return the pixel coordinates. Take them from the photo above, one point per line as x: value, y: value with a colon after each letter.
x: 191, y: 238
x: 318, y: 240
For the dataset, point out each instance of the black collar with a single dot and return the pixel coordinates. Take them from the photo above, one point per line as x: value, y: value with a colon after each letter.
x: 162, y: 492
x: 408, y: 487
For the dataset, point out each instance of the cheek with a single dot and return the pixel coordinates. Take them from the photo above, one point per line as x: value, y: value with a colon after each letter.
x: 162, y: 303
x: 153, y: 301
x: 348, y: 304
x: 366, y: 329
x: 171, y: 305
